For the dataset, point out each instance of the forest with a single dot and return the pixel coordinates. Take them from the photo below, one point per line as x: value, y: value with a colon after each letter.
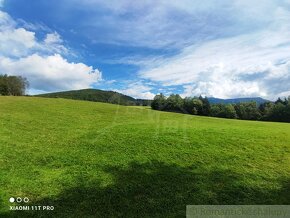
x: 278, y: 111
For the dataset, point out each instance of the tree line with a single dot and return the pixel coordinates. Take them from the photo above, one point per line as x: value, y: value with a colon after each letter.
x: 269, y: 111
x: 13, y: 85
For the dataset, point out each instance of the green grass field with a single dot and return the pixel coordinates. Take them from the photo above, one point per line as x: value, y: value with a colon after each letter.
x: 101, y: 160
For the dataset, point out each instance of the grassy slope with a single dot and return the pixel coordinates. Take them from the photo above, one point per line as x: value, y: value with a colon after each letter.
x: 106, y: 160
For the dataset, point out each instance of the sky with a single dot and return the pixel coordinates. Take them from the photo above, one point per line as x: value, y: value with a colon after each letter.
x: 223, y: 49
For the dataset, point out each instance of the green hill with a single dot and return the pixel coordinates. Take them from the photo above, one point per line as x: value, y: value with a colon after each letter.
x: 92, y: 159
x: 97, y: 96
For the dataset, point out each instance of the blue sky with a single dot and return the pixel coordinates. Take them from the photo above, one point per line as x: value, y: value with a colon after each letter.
x: 223, y: 48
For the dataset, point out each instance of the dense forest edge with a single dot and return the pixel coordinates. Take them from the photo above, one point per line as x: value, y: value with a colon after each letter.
x: 278, y: 111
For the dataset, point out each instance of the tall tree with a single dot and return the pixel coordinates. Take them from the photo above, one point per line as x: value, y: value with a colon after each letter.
x: 159, y: 102
x: 174, y: 103
x: 205, y: 106
x: 248, y: 111
x: 193, y: 106
x: 13, y: 85
x: 223, y: 110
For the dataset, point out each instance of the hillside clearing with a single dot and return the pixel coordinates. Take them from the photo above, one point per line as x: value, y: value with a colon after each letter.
x: 104, y: 160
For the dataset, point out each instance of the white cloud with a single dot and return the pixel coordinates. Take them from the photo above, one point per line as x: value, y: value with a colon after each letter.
x: 282, y: 95
x: 139, y: 23
x: 224, y: 48
x: 16, y: 42
x: 110, y: 81
x: 169, y: 23
x: 224, y: 89
x: 137, y: 90
x: 53, y: 43
x: 252, y: 64
x: 6, y: 22
x: 52, y: 38
x: 51, y: 73
x: 41, y: 62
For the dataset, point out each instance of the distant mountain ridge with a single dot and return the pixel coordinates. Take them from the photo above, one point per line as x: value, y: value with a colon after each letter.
x: 113, y: 97
x: 97, y: 95
x: 258, y: 100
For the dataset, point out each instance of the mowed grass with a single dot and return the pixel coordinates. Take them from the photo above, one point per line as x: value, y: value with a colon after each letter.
x: 101, y: 160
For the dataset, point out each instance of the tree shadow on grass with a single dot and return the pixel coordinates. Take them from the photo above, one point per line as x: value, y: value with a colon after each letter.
x: 155, y: 190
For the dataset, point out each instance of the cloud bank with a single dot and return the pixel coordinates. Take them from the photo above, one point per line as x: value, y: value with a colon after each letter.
x: 137, y: 90
x: 223, y: 48
x: 220, y: 48
x: 41, y: 61
x: 251, y: 64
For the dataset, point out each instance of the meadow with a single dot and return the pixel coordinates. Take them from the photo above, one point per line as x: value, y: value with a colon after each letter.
x: 91, y: 159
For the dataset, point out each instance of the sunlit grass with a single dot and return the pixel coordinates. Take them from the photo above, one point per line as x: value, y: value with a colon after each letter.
x: 97, y: 159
